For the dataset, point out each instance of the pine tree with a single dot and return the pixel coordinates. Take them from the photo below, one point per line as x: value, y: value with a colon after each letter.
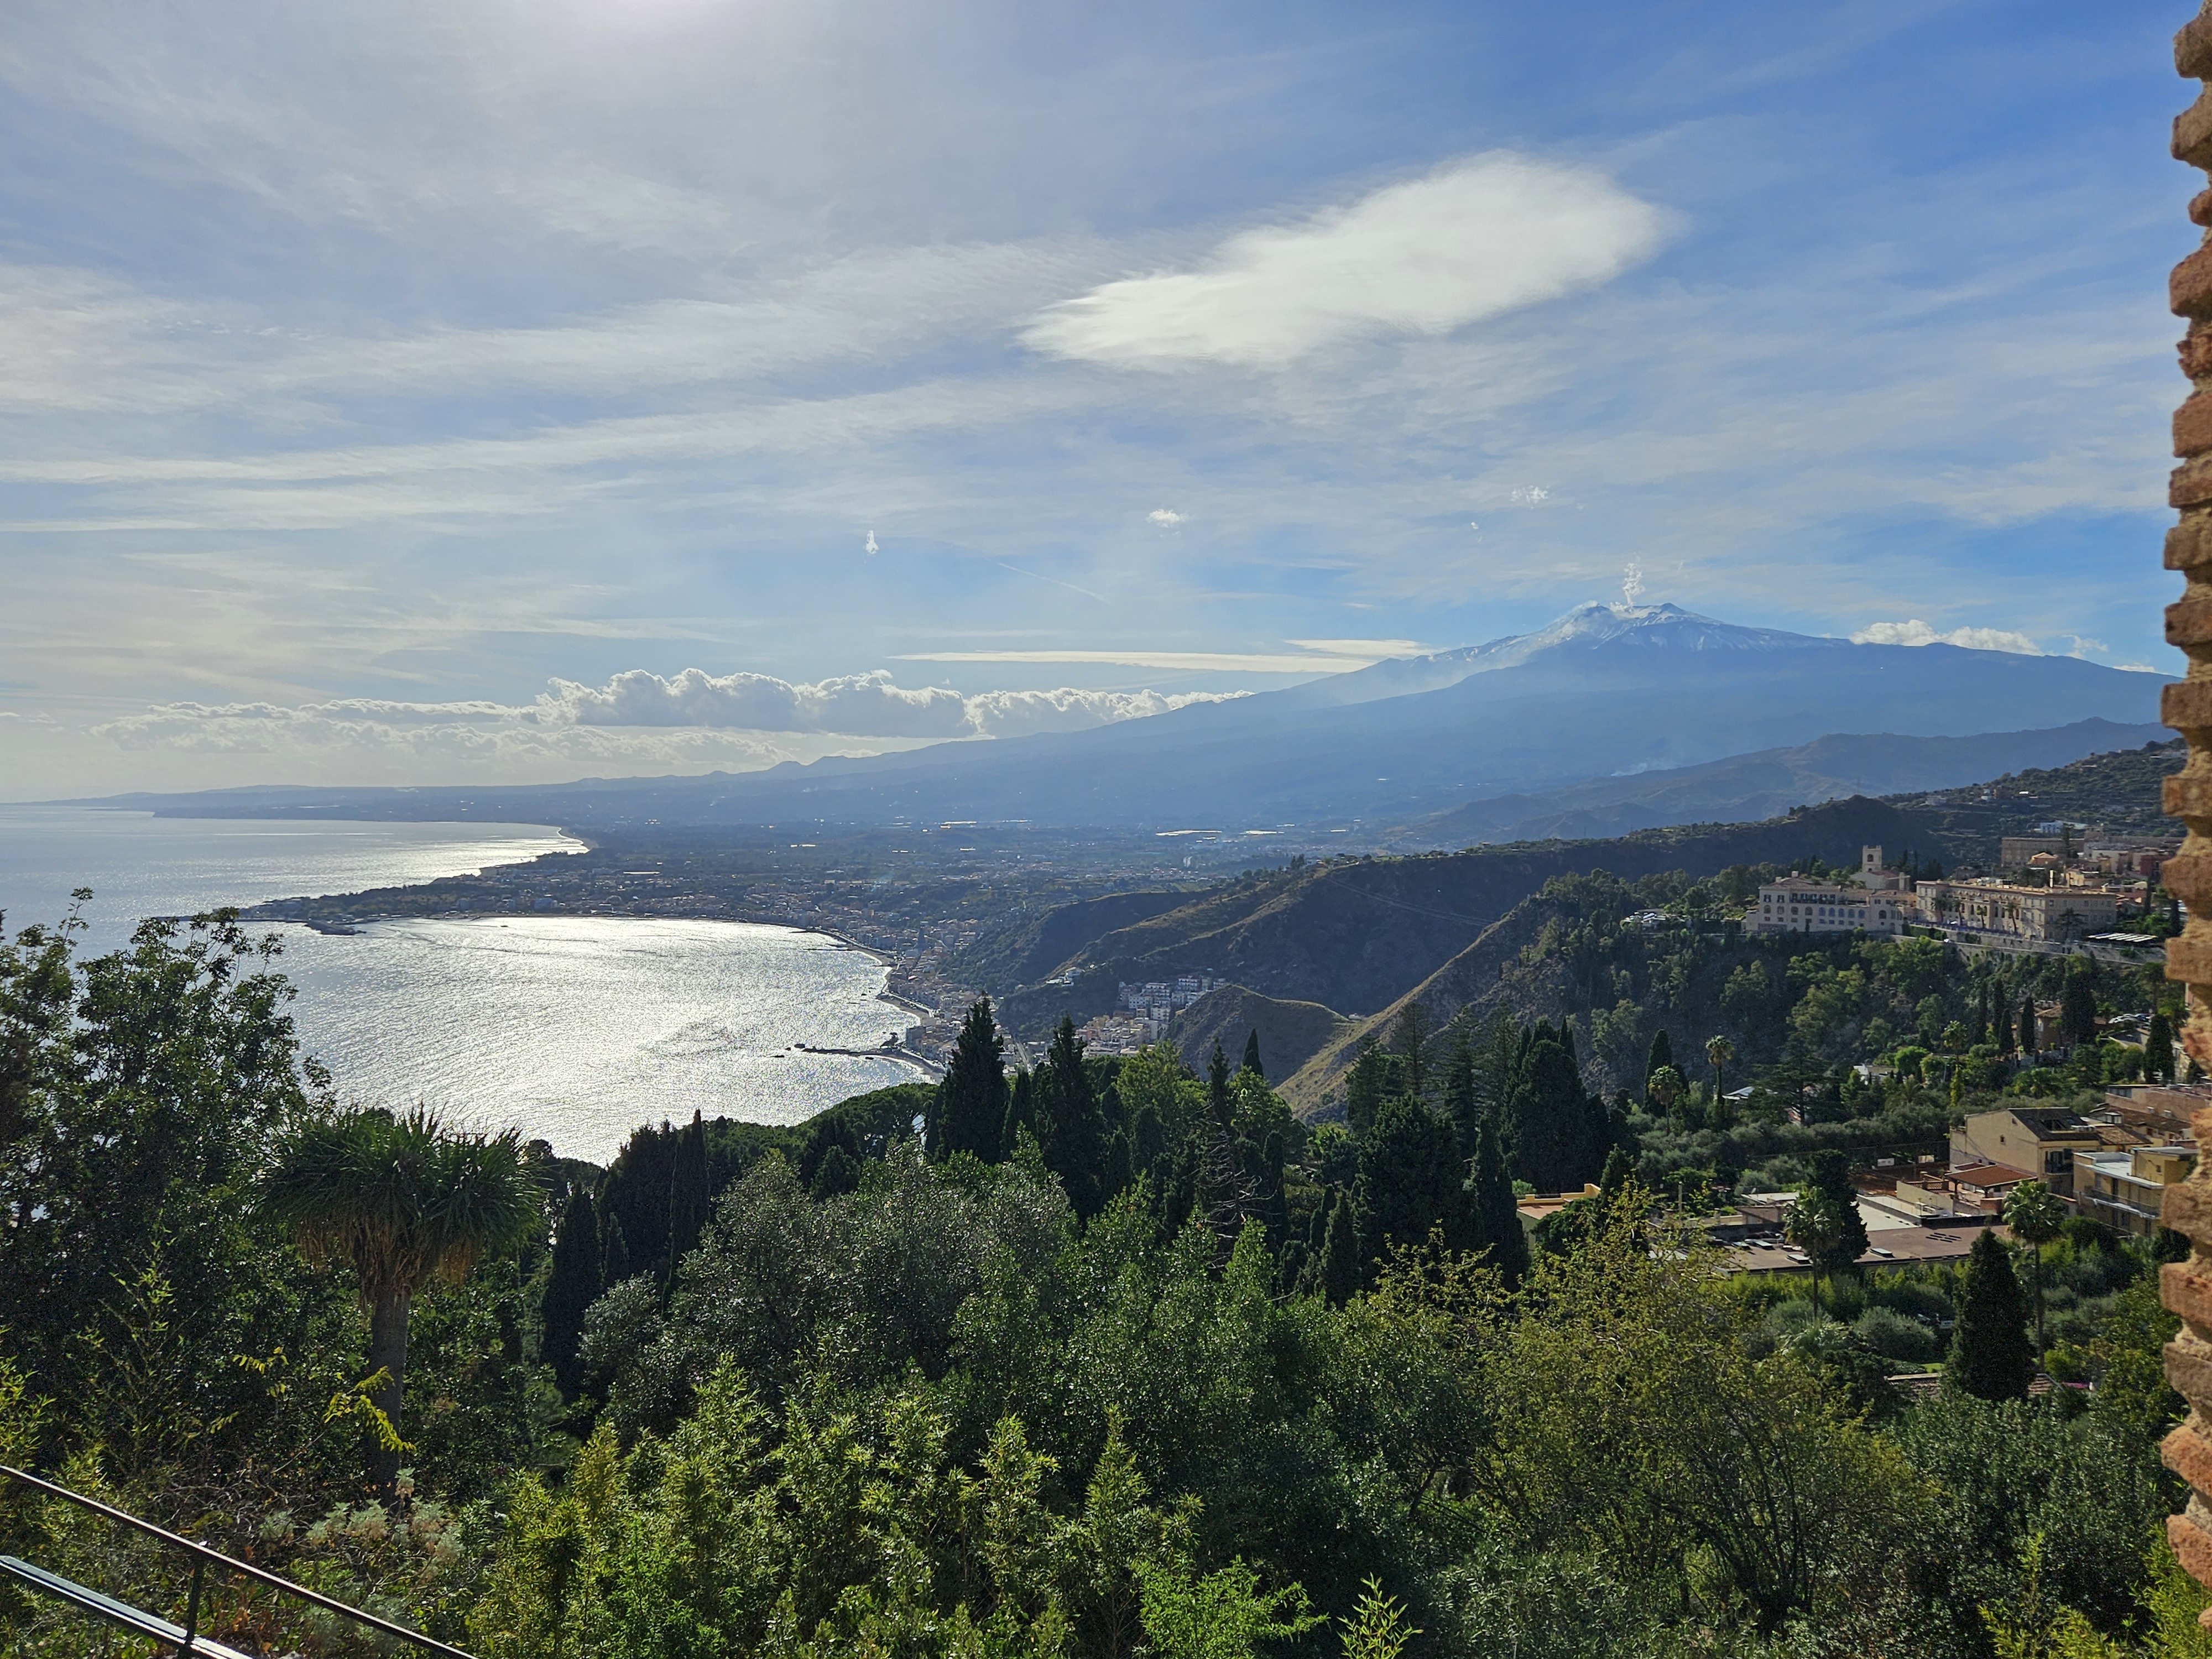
x: 572, y: 1284
x: 687, y: 1192
x: 1990, y: 1355
x: 1409, y: 1036
x: 1497, y: 1221
x: 1459, y: 1105
x: 1252, y: 1055
x: 969, y: 1111
x: 1070, y: 1131
x: 1374, y: 1077
x: 1663, y: 1053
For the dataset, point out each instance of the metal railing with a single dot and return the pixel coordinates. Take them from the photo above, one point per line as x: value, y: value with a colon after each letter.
x: 203, y: 1557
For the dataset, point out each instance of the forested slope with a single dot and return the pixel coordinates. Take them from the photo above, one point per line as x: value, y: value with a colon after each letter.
x: 1356, y: 934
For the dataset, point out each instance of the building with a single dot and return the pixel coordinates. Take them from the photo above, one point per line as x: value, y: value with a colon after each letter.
x: 2124, y: 1190
x: 2140, y: 860
x: 1798, y: 904
x: 2032, y: 915
x: 2014, y: 851
x: 2038, y: 1141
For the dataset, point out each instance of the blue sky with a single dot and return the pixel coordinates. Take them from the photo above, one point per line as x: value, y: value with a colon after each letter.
x: 415, y: 392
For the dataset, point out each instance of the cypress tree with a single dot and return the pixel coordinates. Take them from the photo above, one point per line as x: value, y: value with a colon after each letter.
x: 2031, y: 1040
x: 1021, y: 1112
x: 1069, y: 1129
x: 614, y: 1253
x: 572, y: 1284
x: 1978, y: 1032
x: 1497, y: 1222
x: 688, y: 1191
x: 1991, y: 1357
x: 1252, y: 1055
x: 1340, y: 1270
x: 1619, y: 1167
x: 1410, y: 1179
x: 2077, y: 1009
x: 2158, y: 1048
x: 2002, y: 1036
x: 1550, y: 1122
x: 968, y: 1113
x: 1663, y: 1053
x: 1217, y: 1086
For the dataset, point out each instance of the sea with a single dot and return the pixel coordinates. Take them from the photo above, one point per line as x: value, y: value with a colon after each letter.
x: 574, y: 1029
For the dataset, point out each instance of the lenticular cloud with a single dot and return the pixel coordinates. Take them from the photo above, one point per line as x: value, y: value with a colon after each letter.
x: 1470, y: 240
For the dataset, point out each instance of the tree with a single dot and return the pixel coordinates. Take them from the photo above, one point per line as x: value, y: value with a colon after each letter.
x: 1719, y: 1052
x: 1461, y: 1105
x: 1824, y: 1221
x: 1338, y: 1274
x: 1376, y: 1075
x: 1410, y: 1179
x: 1217, y: 1086
x: 2158, y: 1048
x: 2030, y: 1038
x: 688, y: 1191
x: 1252, y: 1054
x: 1496, y: 1219
x: 571, y: 1285
x: 1558, y: 1131
x: 2035, y: 1214
x: 970, y: 1107
x: 407, y: 1201
x: 1070, y: 1131
x: 1664, y: 1090
x: 1990, y: 1356
x: 2077, y: 1009
x: 1662, y: 1055
x: 2003, y: 1035
x: 1409, y: 1036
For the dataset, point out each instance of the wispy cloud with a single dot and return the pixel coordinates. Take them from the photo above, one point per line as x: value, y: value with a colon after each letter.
x: 1470, y: 240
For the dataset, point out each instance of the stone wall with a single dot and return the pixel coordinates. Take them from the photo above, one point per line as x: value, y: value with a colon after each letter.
x: 2187, y: 1286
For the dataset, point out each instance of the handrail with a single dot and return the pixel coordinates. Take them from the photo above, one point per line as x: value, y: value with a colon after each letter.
x: 202, y: 1553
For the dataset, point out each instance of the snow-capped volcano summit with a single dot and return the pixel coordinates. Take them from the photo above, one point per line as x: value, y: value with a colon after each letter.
x: 1587, y: 628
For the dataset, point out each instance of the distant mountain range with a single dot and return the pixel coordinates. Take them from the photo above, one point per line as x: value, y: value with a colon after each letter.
x: 1607, y: 689
x: 1770, y: 781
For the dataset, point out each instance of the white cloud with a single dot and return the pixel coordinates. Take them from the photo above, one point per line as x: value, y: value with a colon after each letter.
x: 631, y: 706
x: 1182, y: 662
x: 1166, y: 517
x: 1972, y: 639
x: 1472, y: 239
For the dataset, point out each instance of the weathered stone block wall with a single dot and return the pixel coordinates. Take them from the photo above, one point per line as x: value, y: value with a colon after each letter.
x: 2187, y: 1286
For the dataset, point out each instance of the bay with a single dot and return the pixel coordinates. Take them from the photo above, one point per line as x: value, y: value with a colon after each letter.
x: 574, y: 1029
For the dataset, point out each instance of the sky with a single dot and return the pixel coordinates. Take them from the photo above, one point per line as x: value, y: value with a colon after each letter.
x: 431, y: 393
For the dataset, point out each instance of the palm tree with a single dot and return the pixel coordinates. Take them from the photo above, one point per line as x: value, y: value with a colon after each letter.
x: 1720, y: 1051
x: 2035, y: 1214
x: 406, y: 1200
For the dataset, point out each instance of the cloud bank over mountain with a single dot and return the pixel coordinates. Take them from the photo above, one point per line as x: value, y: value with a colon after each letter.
x: 635, y: 717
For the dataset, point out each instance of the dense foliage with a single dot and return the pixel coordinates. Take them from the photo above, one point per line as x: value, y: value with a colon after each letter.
x: 1154, y: 1367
